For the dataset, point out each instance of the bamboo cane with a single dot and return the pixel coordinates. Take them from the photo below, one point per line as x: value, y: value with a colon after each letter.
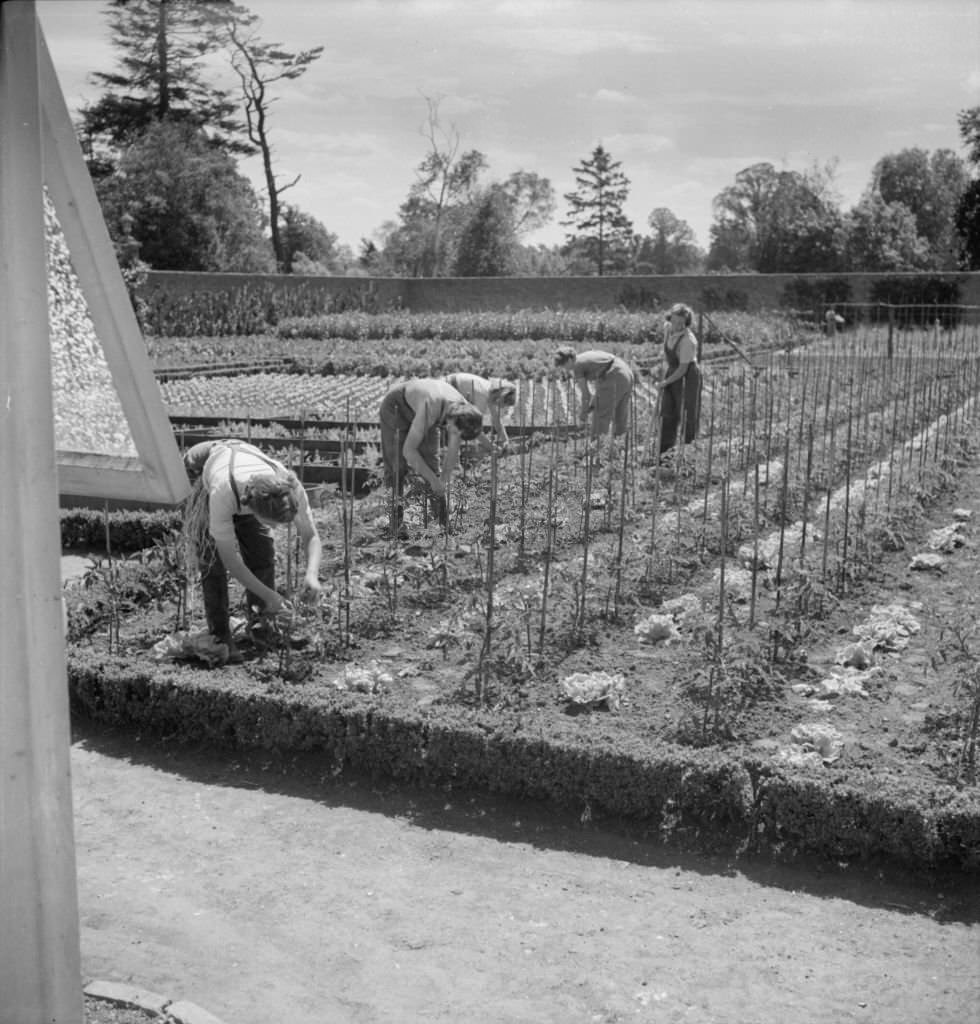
x: 485, y: 650
x: 622, y: 526
x: 847, y: 507
x: 707, y: 474
x: 586, y: 519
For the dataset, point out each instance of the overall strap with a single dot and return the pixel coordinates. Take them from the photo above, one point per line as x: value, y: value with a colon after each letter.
x: 231, y: 476
x: 234, y: 445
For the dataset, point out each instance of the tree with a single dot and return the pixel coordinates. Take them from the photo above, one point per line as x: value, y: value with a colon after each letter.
x: 486, y: 248
x: 773, y: 221
x: 968, y: 227
x: 740, y: 219
x: 540, y: 261
x: 602, y: 230
x: 258, y: 66
x: 930, y: 187
x: 406, y: 244
x: 445, y: 180
x: 531, y: 199
x: 369, y: 256
x: 190, y: 208
x: 671, y: 249
x: 968, y: 209
x: 163, y: 44
x: 969, y: 124
x: 304, y: 239
x: 882, y: 237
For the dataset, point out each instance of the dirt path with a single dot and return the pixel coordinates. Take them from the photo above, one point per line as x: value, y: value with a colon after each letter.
x: 271, y: 898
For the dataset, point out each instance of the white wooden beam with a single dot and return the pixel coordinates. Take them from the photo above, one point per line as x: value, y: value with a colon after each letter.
x: 158, y: 474
x: 40, y: 971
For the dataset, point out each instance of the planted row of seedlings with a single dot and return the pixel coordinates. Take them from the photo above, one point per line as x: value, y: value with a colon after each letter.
x: 802, y: 471
x: 802, y: 468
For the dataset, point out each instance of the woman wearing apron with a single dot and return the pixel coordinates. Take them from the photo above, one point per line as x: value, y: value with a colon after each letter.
x: 680, y: 406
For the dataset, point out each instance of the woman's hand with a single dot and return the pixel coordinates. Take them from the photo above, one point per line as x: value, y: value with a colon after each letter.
x: 278, y: 606
x: 312, y: 589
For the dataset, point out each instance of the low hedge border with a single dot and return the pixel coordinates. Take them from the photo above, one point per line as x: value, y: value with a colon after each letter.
x: 718, y: 800
x: 129, y: 530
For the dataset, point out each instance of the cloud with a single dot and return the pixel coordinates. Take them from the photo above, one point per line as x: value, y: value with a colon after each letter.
x: 637, y: 144
x: 319, y: 149
x: 972, y: 82
x: 614, y: 96
x: 577, y: 40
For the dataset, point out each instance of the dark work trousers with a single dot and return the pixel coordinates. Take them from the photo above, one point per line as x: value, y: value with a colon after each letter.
x: 257, y: 546
x: 680, y: 407
x: 255, y: 542
x: 396, y: 417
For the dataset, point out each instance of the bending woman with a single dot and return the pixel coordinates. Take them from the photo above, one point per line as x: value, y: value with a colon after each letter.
x: 605, y: 385
x: 413, y: 415
x: 493, y: 396
x: 238, y: 495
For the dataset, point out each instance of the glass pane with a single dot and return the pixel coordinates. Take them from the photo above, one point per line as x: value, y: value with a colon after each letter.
x: 88, y: 416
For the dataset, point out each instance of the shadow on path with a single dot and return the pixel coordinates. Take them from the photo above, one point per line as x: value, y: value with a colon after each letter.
x: 946, y: 898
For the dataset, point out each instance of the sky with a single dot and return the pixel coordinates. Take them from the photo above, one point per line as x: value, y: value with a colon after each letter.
x: 683, y: 94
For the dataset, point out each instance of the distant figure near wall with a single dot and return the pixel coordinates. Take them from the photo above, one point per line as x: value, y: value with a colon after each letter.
x: 833, y: 321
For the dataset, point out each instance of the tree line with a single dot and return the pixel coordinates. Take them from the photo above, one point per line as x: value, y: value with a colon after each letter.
x: 163, y: 145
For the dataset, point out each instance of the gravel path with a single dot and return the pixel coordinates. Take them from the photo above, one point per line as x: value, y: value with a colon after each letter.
x: 264, y: 897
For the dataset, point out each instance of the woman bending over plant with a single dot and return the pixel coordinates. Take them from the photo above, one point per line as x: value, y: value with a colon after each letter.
x: 238, y: 494
x: 605, y: 386
x: 493, y: 396
x: 413, y: 416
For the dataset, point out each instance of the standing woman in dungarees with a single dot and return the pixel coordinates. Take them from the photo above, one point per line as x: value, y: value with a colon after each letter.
x: 680, y: 406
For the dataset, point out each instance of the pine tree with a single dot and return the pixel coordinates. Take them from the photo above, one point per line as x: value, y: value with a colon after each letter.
x: 162, y: 44
x: 596, y: 210
x: 486, y: 247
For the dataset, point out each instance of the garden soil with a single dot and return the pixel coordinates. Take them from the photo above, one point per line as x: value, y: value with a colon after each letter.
x: 265, y: 898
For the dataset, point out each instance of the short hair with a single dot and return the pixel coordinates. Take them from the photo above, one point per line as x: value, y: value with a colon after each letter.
x: 273, y: 497
x: 468, y: 420
x: 684, y: 310
x: 564, y: 354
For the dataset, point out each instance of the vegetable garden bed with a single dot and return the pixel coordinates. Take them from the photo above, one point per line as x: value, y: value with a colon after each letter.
x: 696, y: 648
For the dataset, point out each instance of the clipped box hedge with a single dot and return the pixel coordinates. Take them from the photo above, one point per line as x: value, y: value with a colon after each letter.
x: 128, y: 531
x: 699, y: 798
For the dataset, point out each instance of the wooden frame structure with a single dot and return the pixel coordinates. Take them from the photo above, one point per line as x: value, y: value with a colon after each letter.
x: 40, y: 970
x: 158, y: 473
x: 40, y: 960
